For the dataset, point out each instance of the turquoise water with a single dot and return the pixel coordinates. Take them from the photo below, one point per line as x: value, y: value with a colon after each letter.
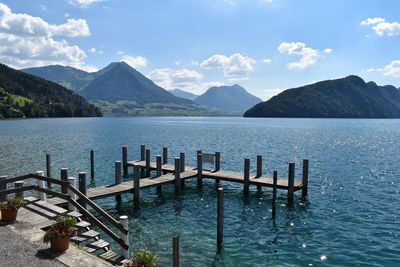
x: 350, y: 219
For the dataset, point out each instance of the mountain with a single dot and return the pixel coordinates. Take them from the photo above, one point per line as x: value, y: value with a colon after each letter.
x: 120, y: 90
x: 229, y: 98
x: 119, y: 81
x: 349, y: 97
x: 69, y: 77
x: 183, y: 94
x: 26, y: 95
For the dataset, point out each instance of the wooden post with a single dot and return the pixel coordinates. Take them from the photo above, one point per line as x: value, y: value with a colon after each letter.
x: 42, y: 196
x: 125, y: 237
x: 217, y: 161
x: 48, y: 168
x: 118, y: 180
x: 275, y: 182
x: 304, y: 190
x: 259, y: 170
x: 82, y: 187
x: 175, y: 251
x: 220, y: 220
x: 182, y: 161
x: 3, y: 197
x: 91, y: 164
x: 165, y: 155
x: 246, y: 182
x: 142, y: 152
x: 159, y: 170
x: 199, y: 169
x: 177, y: 175
x: 72, y: 181
x: 19, y: 184
x: 64, y: 177
x: 148, y: 170
x: 291, y: 182
x: 136, y: 186
x: 125, y: 160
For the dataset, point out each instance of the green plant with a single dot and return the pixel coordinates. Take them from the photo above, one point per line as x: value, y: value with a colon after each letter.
x: 63, y: 227
x: 13, y: 203
x: 143, y: 258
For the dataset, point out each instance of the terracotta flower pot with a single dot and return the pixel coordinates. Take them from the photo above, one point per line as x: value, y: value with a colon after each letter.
x: 9, y: 215
x: 59, y: 244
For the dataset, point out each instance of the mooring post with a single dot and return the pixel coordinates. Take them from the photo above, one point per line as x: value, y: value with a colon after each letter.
x: 48, y: 168
x: 304, y: 190
x: 64, y: 177
x: 118, y: 180
x: 182, y: 161
x: 136, y: 186
x: 199, y: 169
x: 246, y: 182
x: 41, y: 184
x: 125, y: 237
x: 220, y: 220
x: 177, y: 175
x: 142, y: 152
x: 275, y: 182
x: 175, y: 251
x: 71, y: 194
x: 165, y: 155
x: 159, y: 171
x: 217, y: 161
x: 82, y: 187
x: 3, y: 197
x: 125, y: 160
x: 259, y: 170
x: 291, y: 182
x: 19, y: 184
x: 148, y: 170
x: 91, y: 164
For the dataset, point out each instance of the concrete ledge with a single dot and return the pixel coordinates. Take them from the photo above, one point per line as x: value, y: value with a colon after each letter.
x: 73, y: 257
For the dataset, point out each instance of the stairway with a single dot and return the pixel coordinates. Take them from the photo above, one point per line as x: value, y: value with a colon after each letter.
x: 90, y: 241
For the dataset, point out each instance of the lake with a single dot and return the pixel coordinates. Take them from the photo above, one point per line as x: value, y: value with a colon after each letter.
x: 350, y: 218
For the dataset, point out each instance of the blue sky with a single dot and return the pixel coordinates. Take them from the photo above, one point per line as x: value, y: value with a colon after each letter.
x: 264, y: 45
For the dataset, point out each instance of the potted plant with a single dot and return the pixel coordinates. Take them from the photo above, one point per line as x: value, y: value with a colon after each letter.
x: 9, y: 208
x: 142, y: 258
x: 58, y: 234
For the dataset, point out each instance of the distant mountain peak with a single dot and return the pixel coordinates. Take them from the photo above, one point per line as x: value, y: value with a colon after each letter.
x: 232, y: 98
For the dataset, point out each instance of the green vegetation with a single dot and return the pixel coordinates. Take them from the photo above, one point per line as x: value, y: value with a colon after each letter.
x: 13, y: 203
x: 24, y: 95
x: 348, y: 97
x: 64, y: 227
x: 143, y: 258
x: 132, y: 108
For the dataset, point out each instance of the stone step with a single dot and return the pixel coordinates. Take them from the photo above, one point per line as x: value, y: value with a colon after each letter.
x: 74, y: 214
x: 78, y: 239
x: 89, y: 250
x: 90, y: 234
x: 112, y: 257
x: 99, y: 244
x: 82, y: 224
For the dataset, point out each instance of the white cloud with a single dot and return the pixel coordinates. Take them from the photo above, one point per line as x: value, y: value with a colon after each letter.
x: 43, y: 7
x: 328, y: 50
x: 92, y: 50
x: 120, y: 52
x: 308, y: 55
x: 390, y: 70
x: 188, y: 80
x: 381, y: 27
x: 27, y: 41
x: 267, y: 60
x: 135, y: 61
x: 26, y: 25
x: 83, y: 3
x: 235, y: 67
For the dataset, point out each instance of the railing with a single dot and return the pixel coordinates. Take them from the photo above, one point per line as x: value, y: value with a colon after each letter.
x: 122, y: 241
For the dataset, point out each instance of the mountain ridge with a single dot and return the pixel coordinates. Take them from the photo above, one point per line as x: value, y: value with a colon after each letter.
x: 348, y: 97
